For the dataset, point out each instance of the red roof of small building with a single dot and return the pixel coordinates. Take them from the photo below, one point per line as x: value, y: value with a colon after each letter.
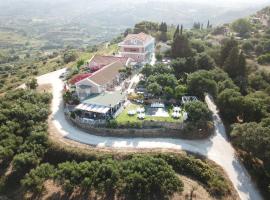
x: 79, y: 77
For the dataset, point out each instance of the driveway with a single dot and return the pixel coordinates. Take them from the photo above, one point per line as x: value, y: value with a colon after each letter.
x: 216, y: 148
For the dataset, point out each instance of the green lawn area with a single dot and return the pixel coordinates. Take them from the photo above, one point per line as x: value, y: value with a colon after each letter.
x: 124, y: 117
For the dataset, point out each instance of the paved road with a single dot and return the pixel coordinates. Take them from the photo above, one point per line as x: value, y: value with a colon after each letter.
x: 216, y: 148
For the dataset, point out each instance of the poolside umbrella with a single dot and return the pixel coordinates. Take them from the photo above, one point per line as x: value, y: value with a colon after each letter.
x: 185, y: 116
x: 141, y: 116
x: 176, y: 114
x: 140, y: 110
x: 131, y: 112
x: 176, y: 109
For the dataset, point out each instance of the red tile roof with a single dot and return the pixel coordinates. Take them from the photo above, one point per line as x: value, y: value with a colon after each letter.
x: 107, y: 74
x: 140, y: 36
x: 79, y: 77
x: 99, y: 61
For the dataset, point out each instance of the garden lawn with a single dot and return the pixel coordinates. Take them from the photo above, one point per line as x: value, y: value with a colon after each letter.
x: 124, y: 117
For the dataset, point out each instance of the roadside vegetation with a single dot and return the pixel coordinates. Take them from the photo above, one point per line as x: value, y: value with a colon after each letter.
x: 230, y: 63
x: 202, y: 60
x: 124, y: 118
x: 17, y: 69
x: 25, y: 170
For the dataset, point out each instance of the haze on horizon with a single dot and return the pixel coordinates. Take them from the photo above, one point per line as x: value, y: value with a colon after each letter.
x: 105, y: 19
x: 128, y: 12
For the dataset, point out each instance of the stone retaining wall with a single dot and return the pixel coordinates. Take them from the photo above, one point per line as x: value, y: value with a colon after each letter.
x: 169, y: 130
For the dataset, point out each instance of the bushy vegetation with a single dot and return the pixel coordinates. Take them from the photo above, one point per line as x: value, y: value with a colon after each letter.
x: 244, y: 98
x: 242, y: 26
x: 133, y: 177
x: 70, y: 56
x: 200, y: 65
x: 240, y: 89
x: 264, y: 59
x: 214, y: 182
x: 254, y: 139
x: 197, y: 111
x: 22, y: 125
x: 127, y: 178
x: 23, y: 133
x: 161, y: 81
x: 26, y: 150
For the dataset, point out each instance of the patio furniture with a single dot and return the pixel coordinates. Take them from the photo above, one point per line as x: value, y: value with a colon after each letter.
x: 139, y: 101
x: 140, y: 110
x: 175, y: 114
x: 185, y: 116
x: 141, y: 116
x: 132, y: 112
x: 176, y: 109
x: 88, y: 121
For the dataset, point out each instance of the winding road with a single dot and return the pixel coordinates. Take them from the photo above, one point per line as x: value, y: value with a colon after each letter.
x: 216, y: 148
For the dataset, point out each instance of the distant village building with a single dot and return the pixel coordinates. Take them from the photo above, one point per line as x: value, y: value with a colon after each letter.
x: 139, y: 47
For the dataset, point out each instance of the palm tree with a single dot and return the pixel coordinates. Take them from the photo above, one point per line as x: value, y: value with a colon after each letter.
x: 127, y: 72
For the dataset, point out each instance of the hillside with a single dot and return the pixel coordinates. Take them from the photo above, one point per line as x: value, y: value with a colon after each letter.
x: 34, y: 35
x: 228, y: 62
x: 57, y: 24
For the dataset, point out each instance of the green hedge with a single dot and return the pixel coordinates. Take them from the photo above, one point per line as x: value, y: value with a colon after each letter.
x: 199, y: 170
x: 264, y: 59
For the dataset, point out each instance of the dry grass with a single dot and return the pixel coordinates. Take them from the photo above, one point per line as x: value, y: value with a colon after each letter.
x: 44, y: 88
x: 256, y: 65
x: 199, y: 193
x: 58, y: 141
x: 264, y: 67
x: 72, y: 146
x: 55, y: 192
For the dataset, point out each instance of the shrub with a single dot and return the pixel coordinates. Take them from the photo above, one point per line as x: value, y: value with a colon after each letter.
x: 70, y: 56
x: 146, y: 177
x: 264, y: 59
x: 33, y: 181
x: 201, y: 82
x: 32, y: 83
x: 198, y: 111
x: 201, y: 171
x: 141, y: 177
x: 25, y: 161
x: 112, y: 124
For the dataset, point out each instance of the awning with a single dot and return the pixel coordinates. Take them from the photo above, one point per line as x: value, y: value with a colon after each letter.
x: 157, y: 105
x: 93, y: 108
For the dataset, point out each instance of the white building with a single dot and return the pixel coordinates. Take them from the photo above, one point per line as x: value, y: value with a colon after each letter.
x: 102, y: 80
x: 140, y: 47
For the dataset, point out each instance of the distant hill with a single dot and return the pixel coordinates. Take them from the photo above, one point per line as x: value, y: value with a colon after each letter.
x: 82, y: 22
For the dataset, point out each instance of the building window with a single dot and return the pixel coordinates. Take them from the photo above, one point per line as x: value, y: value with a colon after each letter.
x: 133, y: 42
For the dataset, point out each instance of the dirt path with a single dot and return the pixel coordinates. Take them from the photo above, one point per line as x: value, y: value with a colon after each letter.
x: 216, y: 148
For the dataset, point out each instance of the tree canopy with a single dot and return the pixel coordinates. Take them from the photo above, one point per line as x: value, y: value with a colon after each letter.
x: 201, y: 82
x: 180, y: 46
x: 197, y: 111
x: 241, y: 26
